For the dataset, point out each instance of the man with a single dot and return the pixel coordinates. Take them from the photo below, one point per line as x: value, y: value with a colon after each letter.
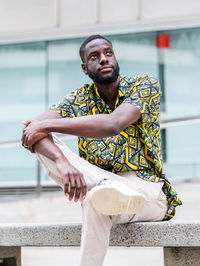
x: 120, y: 176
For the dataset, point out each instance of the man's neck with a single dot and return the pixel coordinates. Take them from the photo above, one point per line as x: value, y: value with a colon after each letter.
x: 108, y: 92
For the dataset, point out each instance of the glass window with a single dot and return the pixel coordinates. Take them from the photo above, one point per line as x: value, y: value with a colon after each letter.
x: 22, y: 86
x: 183, y: 144
x: 64, y: 69
x: 136, y: 54
x: 181, y: 75
x: 182, y: 70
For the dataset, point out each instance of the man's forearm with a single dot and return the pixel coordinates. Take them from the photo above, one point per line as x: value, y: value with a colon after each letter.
x: 48, y: 148
x: 96, y: 126
x: 86, y: 126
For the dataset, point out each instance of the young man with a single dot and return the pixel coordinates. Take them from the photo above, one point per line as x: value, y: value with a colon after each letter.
x: 120, y: 176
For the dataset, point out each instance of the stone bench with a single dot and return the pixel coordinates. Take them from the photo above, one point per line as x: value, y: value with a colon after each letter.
x: 180, y: 240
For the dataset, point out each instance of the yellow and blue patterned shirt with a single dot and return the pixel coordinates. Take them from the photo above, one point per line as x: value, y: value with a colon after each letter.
x: 138, y: 146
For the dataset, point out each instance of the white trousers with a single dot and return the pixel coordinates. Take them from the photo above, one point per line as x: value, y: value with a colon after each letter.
x: 96, y: 226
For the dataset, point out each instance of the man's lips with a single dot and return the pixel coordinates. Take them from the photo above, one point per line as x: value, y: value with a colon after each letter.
x: 106, y: 69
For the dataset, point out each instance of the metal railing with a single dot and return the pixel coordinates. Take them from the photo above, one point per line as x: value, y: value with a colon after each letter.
x: 180, y: 121
x: 164, y: 124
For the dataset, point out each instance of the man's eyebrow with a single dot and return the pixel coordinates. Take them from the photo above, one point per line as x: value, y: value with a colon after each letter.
x: 93, y: 52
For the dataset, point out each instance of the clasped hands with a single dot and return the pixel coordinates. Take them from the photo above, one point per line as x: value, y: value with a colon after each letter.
x: 32, y: 133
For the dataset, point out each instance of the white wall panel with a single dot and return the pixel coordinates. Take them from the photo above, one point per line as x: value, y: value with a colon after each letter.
x: 78, y: 12
x: 169, y: 8
x: 118, y: 10
x: 20, y: 15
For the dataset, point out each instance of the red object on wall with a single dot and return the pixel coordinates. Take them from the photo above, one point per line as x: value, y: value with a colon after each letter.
x: 162, y: 41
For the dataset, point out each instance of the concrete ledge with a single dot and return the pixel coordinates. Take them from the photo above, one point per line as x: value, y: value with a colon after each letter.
x: 150, y: 234
x: 183, y: 256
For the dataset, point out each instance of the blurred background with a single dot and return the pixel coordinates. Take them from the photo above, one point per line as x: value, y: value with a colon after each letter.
x: 39, y: 64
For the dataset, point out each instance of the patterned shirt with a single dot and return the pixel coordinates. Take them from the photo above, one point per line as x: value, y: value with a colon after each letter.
x: 138, y: 146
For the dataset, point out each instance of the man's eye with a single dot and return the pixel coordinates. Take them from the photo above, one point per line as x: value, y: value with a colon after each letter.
x: 93, y: 57
x: 109, y: 52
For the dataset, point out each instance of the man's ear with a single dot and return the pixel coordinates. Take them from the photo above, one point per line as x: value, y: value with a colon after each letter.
x: 84, y: 68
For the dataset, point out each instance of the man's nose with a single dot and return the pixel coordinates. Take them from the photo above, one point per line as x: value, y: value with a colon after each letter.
x: 103, y: 59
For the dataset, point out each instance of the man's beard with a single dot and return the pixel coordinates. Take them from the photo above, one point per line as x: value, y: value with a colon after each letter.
x: 96, y: 77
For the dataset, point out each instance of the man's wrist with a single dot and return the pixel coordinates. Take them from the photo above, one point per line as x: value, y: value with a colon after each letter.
x: 46, y: 125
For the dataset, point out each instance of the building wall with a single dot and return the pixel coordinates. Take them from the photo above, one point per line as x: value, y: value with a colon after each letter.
x: 162, y: 8
x: 23, y: 15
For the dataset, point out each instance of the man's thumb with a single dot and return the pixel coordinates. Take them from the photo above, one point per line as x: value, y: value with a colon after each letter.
x: 26, y: 123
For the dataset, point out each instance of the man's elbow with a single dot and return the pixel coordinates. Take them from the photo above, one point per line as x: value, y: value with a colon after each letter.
x: 114, y: 127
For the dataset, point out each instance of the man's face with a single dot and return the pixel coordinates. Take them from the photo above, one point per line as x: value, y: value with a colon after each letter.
x: 100, y: 62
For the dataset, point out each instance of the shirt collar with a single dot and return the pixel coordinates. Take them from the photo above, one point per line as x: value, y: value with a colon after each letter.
x: 124, y: 83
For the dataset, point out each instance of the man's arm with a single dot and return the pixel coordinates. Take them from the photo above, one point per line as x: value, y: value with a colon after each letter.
x: 96, y: 126
x: 92, y: 126
x: 73, y: 180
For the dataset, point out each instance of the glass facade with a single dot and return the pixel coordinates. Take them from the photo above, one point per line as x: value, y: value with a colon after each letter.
x: 33, y: 76
x: 23, y: 91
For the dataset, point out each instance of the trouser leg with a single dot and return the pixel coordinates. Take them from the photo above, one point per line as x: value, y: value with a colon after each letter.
x: 95, y: 235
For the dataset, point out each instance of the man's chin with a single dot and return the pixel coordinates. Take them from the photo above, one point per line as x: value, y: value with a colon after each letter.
x: 106, y: 77
x: 105, y: 80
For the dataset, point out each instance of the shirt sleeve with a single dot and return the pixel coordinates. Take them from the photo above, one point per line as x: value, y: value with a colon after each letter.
x: 71, y: 105
x: 145, y: 94
x: 64, y: 108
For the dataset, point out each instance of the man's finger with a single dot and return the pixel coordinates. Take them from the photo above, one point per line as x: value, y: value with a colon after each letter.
x: 30, y: 144
x: 25, y: 141
x: 22, y: 139
x: 31, y: 140
x: 23, y: 135
x: 72, y: 186
x: 78, y: 188
x: 26, y: 123
x: 28, y: 140
x: 66, y: 185
x: 31, y: 147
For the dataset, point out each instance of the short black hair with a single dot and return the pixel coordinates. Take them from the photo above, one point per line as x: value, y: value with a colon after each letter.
x: 89, y: 39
